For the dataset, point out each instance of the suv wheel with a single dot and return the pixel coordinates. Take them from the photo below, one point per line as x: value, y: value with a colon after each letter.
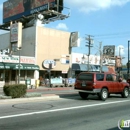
x: 83, y: 95
x: 125, y: 93
x: 104, y: 94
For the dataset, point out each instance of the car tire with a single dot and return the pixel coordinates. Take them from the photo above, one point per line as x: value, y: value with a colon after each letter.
x: 83, y: 95
x: 104, y: 94
x: 125, y: 93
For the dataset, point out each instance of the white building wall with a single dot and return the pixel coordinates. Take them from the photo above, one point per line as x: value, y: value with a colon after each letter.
x: 78, y: 58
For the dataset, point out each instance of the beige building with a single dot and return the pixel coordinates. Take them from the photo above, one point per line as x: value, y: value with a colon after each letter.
x: 53, y: 45
x: 38, y: 44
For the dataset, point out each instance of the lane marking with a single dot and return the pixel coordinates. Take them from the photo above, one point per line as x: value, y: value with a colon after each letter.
x: 63, y: 109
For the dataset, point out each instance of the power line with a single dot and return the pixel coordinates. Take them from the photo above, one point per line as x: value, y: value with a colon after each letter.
x: 112, y: 35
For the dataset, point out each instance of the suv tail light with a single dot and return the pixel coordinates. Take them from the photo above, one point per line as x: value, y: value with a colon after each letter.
x: 94, y: 84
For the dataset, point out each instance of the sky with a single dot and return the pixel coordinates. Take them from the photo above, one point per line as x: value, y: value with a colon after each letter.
x: 107, y: 21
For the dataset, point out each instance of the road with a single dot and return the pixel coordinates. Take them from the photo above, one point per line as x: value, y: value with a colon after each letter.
x: 70, y: 113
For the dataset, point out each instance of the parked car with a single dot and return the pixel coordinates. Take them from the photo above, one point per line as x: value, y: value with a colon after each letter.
x: 102, y: 84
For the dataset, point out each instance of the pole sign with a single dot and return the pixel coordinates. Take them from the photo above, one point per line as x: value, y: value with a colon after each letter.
x: 16, y: 34
x: 47, y: 63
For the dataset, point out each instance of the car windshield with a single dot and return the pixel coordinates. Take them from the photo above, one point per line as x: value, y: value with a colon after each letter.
x: 87, y: 77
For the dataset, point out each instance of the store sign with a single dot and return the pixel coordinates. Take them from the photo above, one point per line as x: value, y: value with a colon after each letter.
x: 17, y: 66
x: 65, y: 59
x: 47, y: 63
x: 15, y: 59
x: 109, y: 50
x: 16, y: 33
x: 64, y: 72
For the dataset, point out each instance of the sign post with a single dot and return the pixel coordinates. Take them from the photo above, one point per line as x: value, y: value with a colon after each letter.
x: 49, y: 64
x: 16, y: 40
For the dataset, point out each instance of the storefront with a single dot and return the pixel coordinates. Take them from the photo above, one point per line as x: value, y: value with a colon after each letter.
x: 38, y: 44
x: 9, y: 69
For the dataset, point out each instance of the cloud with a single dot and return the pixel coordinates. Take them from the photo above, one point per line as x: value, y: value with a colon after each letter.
x: 87, y: 6
x: 62, y: 26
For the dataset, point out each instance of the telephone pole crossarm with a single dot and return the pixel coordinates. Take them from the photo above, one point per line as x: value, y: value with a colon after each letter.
x: 90, y: 41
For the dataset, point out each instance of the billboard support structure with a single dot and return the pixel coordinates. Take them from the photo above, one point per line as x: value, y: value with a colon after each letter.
x: 19, y: 11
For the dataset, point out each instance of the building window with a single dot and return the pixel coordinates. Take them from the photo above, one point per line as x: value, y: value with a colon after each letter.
x: 1, y: 75
x: 30, y: 74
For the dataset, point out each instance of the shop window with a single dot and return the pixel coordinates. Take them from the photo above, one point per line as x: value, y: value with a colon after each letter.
x: 1, y: 75
x: 22, y: 75
x: 7, y: 72
x: 30, y: 74
x: 13, y: 75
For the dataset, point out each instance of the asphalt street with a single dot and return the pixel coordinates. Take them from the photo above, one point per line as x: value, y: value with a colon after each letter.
x: 68, y: 113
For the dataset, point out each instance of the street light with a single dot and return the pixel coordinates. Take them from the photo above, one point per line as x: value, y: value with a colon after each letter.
x: 119, y: 68
x: 49, y: 71
x: 83, y: 59
x: 19, y: 65
x: 120, y: 50
x: 128, y: 59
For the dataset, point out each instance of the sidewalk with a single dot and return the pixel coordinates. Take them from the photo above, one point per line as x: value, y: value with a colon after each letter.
x: 43, y: 88
x: 42, y: 93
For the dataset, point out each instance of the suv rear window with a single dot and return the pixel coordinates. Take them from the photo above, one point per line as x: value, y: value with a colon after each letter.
x: 87, y: 77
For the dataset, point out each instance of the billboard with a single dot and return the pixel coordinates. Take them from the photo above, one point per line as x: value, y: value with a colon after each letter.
x: 15, y: 9
x: 109, y: 51
x: 74, y: 39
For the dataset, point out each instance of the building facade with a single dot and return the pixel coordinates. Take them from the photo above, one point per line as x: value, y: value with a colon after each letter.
x: 38, y: 44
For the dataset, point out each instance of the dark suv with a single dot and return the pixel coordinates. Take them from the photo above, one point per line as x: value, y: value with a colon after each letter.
x: 102, y: 84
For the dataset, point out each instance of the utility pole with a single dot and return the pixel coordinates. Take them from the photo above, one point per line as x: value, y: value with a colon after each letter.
x: 119, y: 68
x: 100, y: 47
x: 90, y: 41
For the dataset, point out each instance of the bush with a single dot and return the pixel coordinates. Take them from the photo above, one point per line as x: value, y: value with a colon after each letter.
x: 15, y: 90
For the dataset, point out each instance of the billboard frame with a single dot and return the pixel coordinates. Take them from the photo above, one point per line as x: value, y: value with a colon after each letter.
x: 49, y: 16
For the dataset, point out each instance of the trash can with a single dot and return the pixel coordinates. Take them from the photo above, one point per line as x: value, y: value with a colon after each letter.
x: 37, y: 83
x: 28, y: 81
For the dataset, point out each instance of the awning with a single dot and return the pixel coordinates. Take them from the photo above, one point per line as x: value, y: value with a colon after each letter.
x: 4, y: 66
x: 14, y: 66
x: 79, y: 67
x: 84, y: 67
x: 26, y: 67
x: 75, y: 67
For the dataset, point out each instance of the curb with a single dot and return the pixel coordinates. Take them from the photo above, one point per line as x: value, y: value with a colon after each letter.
x: 50, y: 89
x: 29, y: 99
x: 43, y: 97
